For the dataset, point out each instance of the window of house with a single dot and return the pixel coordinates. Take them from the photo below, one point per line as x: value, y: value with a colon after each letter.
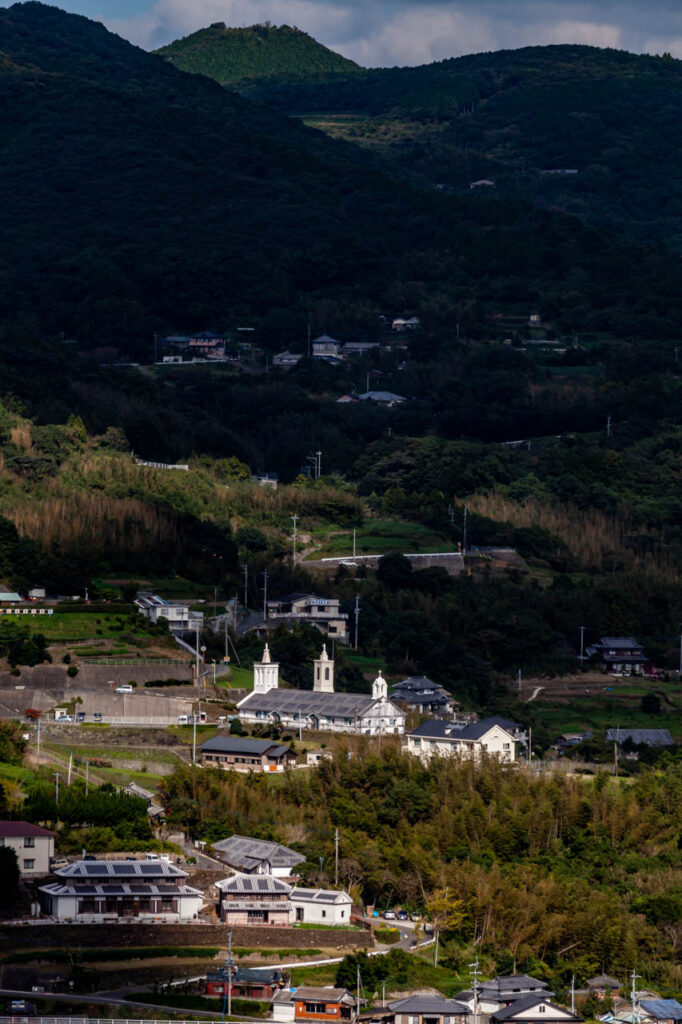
x: 315, y: 1007
x: 542, y: 1008
x: 506, y: 746
x: 29, y: 865
x: 29, y: 841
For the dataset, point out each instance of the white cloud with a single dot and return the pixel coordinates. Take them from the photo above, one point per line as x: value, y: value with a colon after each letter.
x: 421, y: 34
x: 168, y: 19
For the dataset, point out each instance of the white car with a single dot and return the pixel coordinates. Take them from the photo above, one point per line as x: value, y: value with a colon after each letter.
x: 389, y: 915
x: 124, y: 688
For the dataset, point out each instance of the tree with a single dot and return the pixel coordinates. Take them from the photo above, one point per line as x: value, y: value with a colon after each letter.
x: 9, y: 878
x: 445, y: 913
x: 651, y: 703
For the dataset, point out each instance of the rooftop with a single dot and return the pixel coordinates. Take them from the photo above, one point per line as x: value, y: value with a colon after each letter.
x: 145, y: 869
x: 10, y: 829
x: 320, y: 895
x: 428, y: 1004
x: 529, y: 1002
x: 308, y: 702
x: 650, y: 737
x: 329, y: 995
x: 662, y: 1009
x: 247, y: 853
x: 258, y: 884
x: 242, y: 745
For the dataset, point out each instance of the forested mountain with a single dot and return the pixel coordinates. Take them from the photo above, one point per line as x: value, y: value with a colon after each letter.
x: 230, y: 54
x: 516, y: 115
x: 137, y: 198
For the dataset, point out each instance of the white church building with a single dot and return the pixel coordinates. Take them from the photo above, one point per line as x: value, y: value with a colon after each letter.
x: 320, y: 708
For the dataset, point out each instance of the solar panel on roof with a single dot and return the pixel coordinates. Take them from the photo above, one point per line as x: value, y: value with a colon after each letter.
x: 137, y: 887
x: 121, y: 869
x: 150, y: 869
x: 96, y: 869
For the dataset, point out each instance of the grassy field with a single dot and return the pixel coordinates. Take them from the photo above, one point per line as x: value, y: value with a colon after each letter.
x: 379, y: 537
x: 84, y: 626
x: 239, y: 678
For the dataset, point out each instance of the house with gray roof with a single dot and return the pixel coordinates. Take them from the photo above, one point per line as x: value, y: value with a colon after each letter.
x: 648, y: 737
x: 429, y: 1009
x: 257, y: 856
x: 436, y: 738
x: 421, y: 694
x: 321, y: 906
x: 502, y: 991
x: 260, y: 900
x: 96, y: 891
x: 620, y: 655
x: 240, y: 754
x: 534, y: 1008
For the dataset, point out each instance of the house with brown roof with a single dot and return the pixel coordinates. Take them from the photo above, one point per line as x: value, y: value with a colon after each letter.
x: 33, y: 846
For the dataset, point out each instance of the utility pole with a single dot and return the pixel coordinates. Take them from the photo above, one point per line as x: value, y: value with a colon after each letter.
x: 156, y: 358
x: 573, y: 993
x: 215, y: 602
x: 451, y: 515
x: 245, y: 570
x: 68, y: 777
x: 87, y: 775
x: 633, y: 996
x: 194, y: 737
x: 680, y: 655
x: 293, y: 559
x: 319, y: 464
x: 357, y: 616
x: 56, y: 793
x: 464, y: 533
x: 615, y: 760
x: 198, y: 632
x: 38, y: 742
x: 310, y: 352
x: 336, y: 856
x: 519, y: 678
x: 227, y: 653
x: 608, y: 426
x: 229, y: 966
x: 582, y: 646
x: 354, y: 533
x: 474, y: 965
x: 265, y: 594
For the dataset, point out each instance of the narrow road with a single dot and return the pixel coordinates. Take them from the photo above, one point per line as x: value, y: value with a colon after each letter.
x: 536, y: 691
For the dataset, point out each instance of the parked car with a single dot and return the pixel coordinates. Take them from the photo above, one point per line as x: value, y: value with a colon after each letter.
x: 20, y: 1006
x: 389, y: 915
x: 97, y: 716
x: 415, y: 917
x: 183, y: 720
x: 124, y: 688
x: 402, y: 915
x: 80, y: 716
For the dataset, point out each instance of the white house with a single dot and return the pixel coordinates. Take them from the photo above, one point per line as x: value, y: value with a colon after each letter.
x: 531, y: 1009
x: 321, y: 906
x: 436, y: 738
x: 33, y: 846
x: 503, y: 991
x: 320, y: 709
x: 97, y: 891
x: 178, y: 614
x: 322, y: 612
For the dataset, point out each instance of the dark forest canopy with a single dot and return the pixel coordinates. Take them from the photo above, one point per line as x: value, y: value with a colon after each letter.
x: 137, y: 198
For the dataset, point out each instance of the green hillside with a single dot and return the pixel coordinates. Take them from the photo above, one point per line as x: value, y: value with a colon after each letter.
x: 230, y: 54
x: 515, y: 115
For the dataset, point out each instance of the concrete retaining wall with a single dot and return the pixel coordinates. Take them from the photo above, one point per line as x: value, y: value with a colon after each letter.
x: 52, y: 936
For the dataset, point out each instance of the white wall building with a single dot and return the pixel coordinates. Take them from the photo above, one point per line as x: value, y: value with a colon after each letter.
x: 33, y: 845
x: 180, y: 618
x: 436, y: 738
x: 322, y: 710
x: 93, y: 892
x: 321, y: 906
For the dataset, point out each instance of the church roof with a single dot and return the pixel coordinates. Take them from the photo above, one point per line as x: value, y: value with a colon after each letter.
x: 307, y: 702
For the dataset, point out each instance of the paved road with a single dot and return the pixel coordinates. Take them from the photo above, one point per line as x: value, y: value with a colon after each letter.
x: 109, y: 999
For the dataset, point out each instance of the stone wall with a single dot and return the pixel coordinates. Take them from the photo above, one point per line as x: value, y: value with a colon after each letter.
x: 53, y: 936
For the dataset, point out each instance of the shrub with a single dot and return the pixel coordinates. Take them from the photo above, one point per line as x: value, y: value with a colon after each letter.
x: 72, y: 671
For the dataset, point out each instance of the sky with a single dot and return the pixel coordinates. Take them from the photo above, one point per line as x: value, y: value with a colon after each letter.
x: 381, y: 33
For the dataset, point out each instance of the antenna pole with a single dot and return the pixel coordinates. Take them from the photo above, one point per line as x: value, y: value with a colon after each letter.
x: 357, y: 616
x: 293, y: 559
x: 265, y: 594
x: 336, y: 857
